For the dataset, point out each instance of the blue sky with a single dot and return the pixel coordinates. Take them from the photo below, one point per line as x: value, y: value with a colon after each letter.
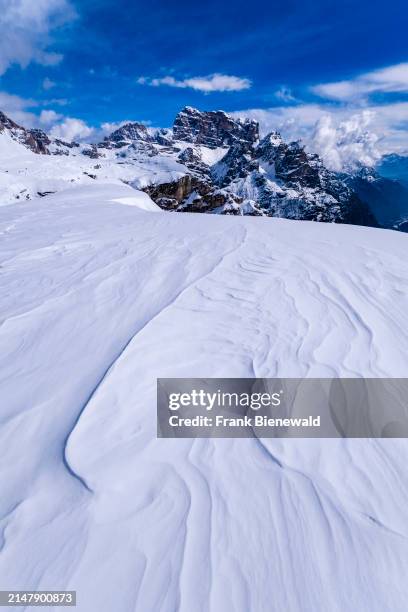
x: 108, y: 60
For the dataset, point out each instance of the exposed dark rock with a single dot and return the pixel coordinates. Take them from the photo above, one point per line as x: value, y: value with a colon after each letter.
x: 69, y: 145
x: 38, y: 141
x: 213, y: 128
x: 291, y: 163
x: 271, y: 178
x: 125, y: 135
x: 239, y: 162
x: 164, y: 137
x: 192, y: 159
x: 35, y: 140
x: 42, y: 194
x: 178, y: 190
x: 92, y: 152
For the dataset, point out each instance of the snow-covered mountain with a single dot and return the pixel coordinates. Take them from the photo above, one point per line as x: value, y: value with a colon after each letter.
x: 101, y: 292
x: 208, y: 162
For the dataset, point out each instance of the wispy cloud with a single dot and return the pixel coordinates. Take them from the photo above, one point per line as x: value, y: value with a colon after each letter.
x: 25, y: 27
x: 393, y: 79
x: 48, y: 84
x: 206, y: 84
x: 284, y: 94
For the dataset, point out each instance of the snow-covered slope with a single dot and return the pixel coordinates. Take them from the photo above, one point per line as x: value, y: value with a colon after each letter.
x: 97, y: 300
x: 25, y: 175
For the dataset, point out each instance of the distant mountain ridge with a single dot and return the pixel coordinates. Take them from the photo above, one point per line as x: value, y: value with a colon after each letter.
x: 217, y: 164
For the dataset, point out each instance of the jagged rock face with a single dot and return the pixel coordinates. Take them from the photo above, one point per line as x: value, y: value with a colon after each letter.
x: 125, y: 135
x: 213, y: 128
x: 35, y: 140
x: 171, y: 195
x: 192, y: 194
x: 294, y: 166
x: 271, y: 178
x: 192, y: 159
x: 290, y: 161
x: 238, y: 163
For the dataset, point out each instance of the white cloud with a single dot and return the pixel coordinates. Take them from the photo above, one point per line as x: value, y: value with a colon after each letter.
x: 393, y: 79
x: 206, y: 84
x: 49, y: 117
x: 48, y: 84
x: 342, y: 135
x: 108, y: 127
x: 284, y: 94
x: 20, y: 110
x: 10, y: 102
x: 16, y: 107
x: 25, y: 27
x: 348, y: 143
x: 71, y: 129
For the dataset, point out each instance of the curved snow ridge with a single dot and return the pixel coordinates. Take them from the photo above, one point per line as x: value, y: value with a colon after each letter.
x: 141, y: 200
x: 170, y: 297
x: 108, y: 299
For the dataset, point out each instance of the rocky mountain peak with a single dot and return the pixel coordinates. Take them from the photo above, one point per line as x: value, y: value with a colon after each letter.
x: 126, y: 134
x: 35, y: 140
x: 291, y: 162
x: 6, y: 122
x: 213, y: 128
x: 267, y: 149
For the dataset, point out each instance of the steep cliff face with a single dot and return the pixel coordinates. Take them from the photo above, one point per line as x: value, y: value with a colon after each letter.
x: 213, y: 128
x: 268, y: 178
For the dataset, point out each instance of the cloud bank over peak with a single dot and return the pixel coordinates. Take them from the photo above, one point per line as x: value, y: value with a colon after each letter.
x: 344, y: 136
x: 346, y: 144
x: 72, y: 129
x: 205, y: 84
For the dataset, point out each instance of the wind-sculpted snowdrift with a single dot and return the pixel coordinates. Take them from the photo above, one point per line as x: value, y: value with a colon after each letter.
x: 98, y: 299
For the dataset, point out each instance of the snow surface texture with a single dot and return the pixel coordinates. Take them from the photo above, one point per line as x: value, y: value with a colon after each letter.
x: 97, y: 300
